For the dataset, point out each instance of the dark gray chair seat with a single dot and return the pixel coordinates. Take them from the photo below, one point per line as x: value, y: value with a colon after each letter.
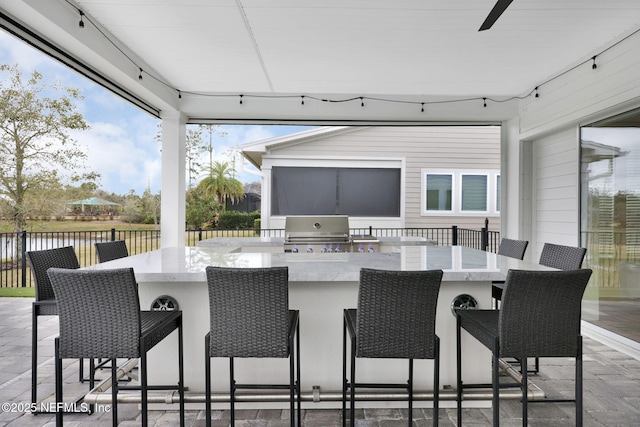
x: 395, y: 318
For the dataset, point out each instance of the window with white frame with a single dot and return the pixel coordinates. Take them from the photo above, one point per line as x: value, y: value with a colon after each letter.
x: 467, y: 192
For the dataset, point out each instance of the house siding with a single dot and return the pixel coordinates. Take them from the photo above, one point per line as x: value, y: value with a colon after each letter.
x: 418, y: 148
x: 551, y: 124
x: 556, y: 203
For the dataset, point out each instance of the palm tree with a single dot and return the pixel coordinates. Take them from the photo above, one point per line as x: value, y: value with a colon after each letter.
x: 221, y: 184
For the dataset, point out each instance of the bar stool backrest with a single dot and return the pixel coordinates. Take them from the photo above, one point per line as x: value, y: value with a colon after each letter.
x: 513, y: 248
x: 41, y: 261
x: 249, y: 311
x: 108, y: 251
x: 396, y: 313
x: 562, y: 257
x: 540, y: 313
x: 99, y: 313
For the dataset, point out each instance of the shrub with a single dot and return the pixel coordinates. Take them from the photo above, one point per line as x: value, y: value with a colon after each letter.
x: 237, y: 220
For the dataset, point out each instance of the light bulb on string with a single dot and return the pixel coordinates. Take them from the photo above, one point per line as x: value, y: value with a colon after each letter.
x: 594, y: 65
x: 140, y: 75
x: 81, y: 23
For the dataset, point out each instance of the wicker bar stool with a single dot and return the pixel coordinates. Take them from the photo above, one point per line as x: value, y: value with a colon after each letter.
x: 554, y: 256
x: 45, y: 301
x: 250, y: 317
x: 395, y: 318
x: 100, y: 317
x: 540, y: 317
x: 107, y: 251
x: 513, y: 249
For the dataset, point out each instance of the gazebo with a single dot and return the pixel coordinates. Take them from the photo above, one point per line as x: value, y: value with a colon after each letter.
x: 94, y: 204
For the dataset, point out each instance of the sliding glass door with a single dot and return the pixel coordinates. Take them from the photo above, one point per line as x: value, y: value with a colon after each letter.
x: 610, y: 223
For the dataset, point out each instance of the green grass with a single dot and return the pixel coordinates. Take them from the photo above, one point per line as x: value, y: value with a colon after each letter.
x: 71, y: 225
x: 17, y: 292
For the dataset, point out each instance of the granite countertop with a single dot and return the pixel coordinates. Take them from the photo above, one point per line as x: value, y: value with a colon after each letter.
x: 187, y: 264
x: 257, y: 242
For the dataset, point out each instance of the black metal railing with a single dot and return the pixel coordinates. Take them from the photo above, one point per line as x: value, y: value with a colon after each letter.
x: 14, y: 270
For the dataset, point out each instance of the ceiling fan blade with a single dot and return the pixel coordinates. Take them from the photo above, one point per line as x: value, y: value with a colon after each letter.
x: 495, y: 13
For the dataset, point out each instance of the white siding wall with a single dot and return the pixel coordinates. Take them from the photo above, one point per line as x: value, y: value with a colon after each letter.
x: 460, y: 147
x: 551, y: 124
x: 555, y: 190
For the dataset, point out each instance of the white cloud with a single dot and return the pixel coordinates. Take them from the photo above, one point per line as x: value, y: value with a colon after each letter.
x: 120, y: 144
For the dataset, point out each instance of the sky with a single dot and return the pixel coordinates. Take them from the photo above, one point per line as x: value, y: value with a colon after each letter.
x: 120, y: 143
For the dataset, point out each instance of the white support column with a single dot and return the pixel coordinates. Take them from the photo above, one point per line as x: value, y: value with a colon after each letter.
x: 510, y: 173
x: 172, y: 220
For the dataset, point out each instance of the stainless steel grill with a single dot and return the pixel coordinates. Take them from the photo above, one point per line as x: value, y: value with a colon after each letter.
x: 324, y: 234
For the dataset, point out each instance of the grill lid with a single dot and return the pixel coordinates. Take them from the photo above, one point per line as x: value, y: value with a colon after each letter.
x: 316, y: 228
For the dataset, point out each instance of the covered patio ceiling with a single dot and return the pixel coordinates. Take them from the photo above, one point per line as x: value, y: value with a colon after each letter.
x: 324, y: 61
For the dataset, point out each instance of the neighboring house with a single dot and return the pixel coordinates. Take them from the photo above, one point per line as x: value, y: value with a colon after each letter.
x: 383, y: 176
x: 249, y: 203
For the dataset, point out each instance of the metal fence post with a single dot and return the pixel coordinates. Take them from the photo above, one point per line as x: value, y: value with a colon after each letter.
x: 23, y: 256
x: 454, y: 235
x: 113, y: 234
x: 199, y: 234
x: 485, y: 235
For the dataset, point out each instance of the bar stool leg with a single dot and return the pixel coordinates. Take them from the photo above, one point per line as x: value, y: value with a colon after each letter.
x: 459, y: 371
x: 298, y: 385
x: 114, y: 394
x: 232, y: 392
x: 207, y: 384
x: 495, y: 401
x: 525, y: 395
x: 410, y: 389
x: 344, y: 374
x: 436, y: 384
x: 181, y: 372
x: 58, y: 370
x: 353, y: 383
x: 579, y: 386
x: 34, y: 356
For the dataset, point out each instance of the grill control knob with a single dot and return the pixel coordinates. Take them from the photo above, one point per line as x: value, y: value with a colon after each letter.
x: 371, y: 248
x: 309, y: 248
x: 324, y: 249
x: 361, y: 248
x: 337, y: 249
x: 295, y: 249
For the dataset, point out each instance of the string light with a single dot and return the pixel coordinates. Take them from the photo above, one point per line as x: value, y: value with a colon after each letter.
x: 594, y: 66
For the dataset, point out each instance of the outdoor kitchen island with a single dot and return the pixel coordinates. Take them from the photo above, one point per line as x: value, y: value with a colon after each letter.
x: 321, y: 285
